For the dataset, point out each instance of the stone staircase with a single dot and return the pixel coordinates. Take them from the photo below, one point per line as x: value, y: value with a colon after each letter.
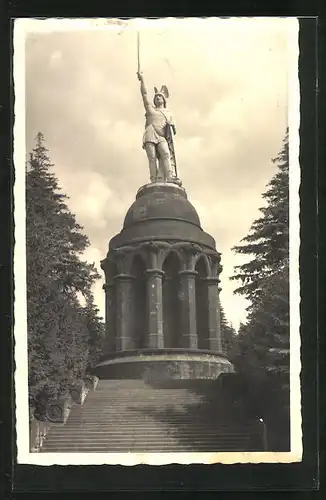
x: 131, y: 416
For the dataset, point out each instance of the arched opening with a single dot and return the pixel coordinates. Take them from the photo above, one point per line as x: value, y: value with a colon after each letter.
x: 140, y: 332
x: 171, y: 307
x: 202, y: 304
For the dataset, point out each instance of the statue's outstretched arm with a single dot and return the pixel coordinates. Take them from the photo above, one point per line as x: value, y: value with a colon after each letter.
x: 143, y: 91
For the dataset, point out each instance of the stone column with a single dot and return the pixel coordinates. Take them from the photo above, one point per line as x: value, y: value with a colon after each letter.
x: 188, y: 309
x: 214, y: 321
x: 110, y: 317
x: 124, y: 312
x: 155, y: 308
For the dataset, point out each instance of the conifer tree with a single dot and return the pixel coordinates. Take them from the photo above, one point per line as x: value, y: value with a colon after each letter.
x: 263, y: 341
x: 96, y: 330
x: 265, y: 278
x: 228, y: 335
x: 58, y: 335
x: 267, y: 243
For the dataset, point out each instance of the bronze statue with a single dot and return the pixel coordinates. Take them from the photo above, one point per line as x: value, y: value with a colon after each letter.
x: 158, y: 137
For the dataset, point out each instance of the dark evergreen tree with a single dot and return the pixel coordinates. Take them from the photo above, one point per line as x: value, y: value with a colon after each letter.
x: 263, y: 341
x: 228, y: 335
x: 268, y: 240
x: 58, y: 335
x: 96, y: 330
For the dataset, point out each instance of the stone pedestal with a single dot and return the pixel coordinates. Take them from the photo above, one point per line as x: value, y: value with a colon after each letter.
x: 124, y: 312
x: 214, y: 323
x: 164, y: 365
x: 162, y: 237
x: 188, y: 309
x: 155, y: 308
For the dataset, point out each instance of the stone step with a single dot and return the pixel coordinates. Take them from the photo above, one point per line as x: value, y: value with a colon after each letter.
x: 133, y: 405
x: 144, y: 402
x: 149, y: 411
x: 213, y: 444
x: 167, y: 399
x: 145, y: 390
x: 153, y: 424
x: 147, y: 439
x: 149, y: 449
x: 87, y: 424
x: 129, y: 415
x: 144, y: 412
x: 110, y: 433
x: 146, y: 442
x: 160, y: 418
x: 114, y: 423
x: 143, y: 397
x: 123, y: 391
x: 142, y: 386
x: 142, y: 431
x: 159, y: 405
x: 138, y: 401
x: 183, y: 409
x: 155, y: 447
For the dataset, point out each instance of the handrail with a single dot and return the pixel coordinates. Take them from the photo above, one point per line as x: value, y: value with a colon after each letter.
x: 264, y: 426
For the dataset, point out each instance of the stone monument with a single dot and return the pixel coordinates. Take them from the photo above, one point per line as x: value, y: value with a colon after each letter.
x: 162, y: 373
x: 162, y: 274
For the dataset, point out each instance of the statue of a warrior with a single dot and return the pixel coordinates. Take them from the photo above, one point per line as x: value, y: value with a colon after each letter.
x: 158, y: 137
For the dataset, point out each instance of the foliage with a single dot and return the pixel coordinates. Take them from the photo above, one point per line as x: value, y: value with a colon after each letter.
x: 264, y: 340
x: 228, y: 335
x: 97, y: 329
x: 268, y: 239
x: 60, y: 331
x: 263, y: 347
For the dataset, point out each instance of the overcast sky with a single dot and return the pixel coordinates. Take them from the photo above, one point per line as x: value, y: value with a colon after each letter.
x: 228, y: 94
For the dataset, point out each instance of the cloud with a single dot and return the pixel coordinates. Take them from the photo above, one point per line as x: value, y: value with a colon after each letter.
x: 228, y: 93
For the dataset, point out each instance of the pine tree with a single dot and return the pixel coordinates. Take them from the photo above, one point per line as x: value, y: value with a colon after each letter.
x: 263, y: 342
x: 265, y: 278
x: 96, y: 330
x: 268, y: 240
x: 228, y: 335
x: 58, y: 337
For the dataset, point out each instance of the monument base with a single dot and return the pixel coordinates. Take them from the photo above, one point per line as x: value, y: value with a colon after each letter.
x: 162, y: 366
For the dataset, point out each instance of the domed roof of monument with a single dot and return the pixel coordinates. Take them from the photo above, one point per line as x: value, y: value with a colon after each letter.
x: 161, y: 201
x: 161, y: 212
